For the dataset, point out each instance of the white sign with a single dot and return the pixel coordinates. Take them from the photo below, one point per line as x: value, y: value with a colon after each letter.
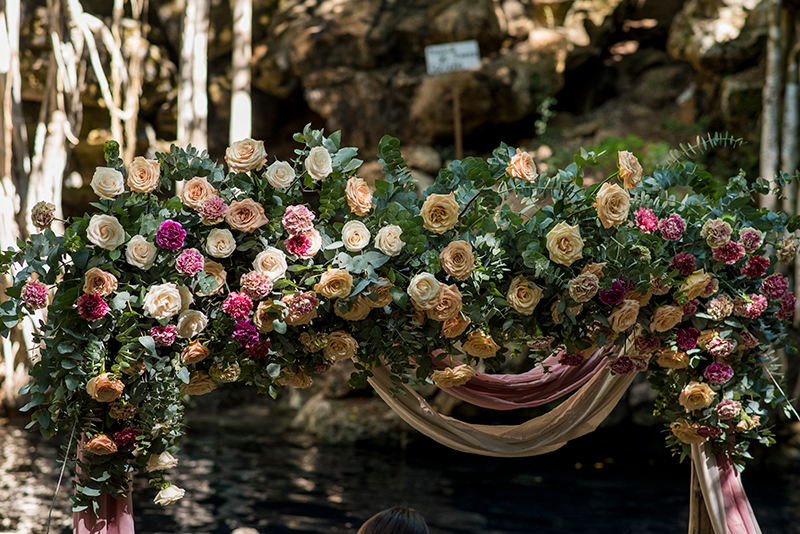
x: 450, y: 57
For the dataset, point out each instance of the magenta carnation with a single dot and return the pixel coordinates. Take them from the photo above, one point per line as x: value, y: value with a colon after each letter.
x: 708, y: 431
x: 260, y: 349
x: 170, y: 235
x: 686, y: 338
x: 255, y: 285
x: 786, y: 310
x: 541, y: 342
x: 755, y: 266
x: 298, y: 220
x: 622, y: 366
x: 749, y: 306
x: 729, y: 253
x: 572, y: 360
x: 614, y: 294
x: 718, y: 373
x: 34, y: 293
x: 298, y: 244
x: 92, y: 307
x: 728, y: 409
x: 238, y: 305
x: 646, y: 220
x: 682, y: 262
x: 647, y: 343
x: 672, y: 227
x: 127, y: 437
x: 774, y: 286
x: 212, y: 209
x: 164, y: 336
x: 190, y: 262
x: 749, y: 341
x: 245, y: 333
x: 751, y: 239
x: 658, y: 286
x: 691, y: 307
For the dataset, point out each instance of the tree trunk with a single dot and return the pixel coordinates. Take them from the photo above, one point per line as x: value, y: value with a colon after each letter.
x: 790, y: 148
x: 241, y: 105
x: 770, y: 113
x: 192, y: 92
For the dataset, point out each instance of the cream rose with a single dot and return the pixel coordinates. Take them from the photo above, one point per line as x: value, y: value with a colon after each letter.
x: 199, y: 384
x: 99, y: 282
x: 696, y: 396
x: 186, y: 297
x: 455, y: 327
x: 355, y: 236
x: 359, y: 196
x: 195, y: 191
x: 341, y: 346
x: 565, y: 244
x: 271, y: 262
x: 169, y: 495
x: 425, y: 290
x: 220, y: 243
x: 162, y: 301
x: 318, y: 163
x: 522, y: 166
x: 450, y: 305
x: 672, y: 359
x: 666, y: 318
x: 334, y: 283
x: 191, y: 323
x: 107, y: 183
x: 194, y: 352
x: 245, y: 155
x: 624, y: 316
x: 695, y: 284
x: 105, y: 231
x: 143, y: 175
x: 439, y: 213
x: 140, y: 252
x: 245, y: 215
x: 523, y: 295
x: 105, y: 388
x: 457, y: 259
x: 480, y: 345
x: 262, y: 319
x: 630, y: 170
x: 358, y: 312
x: 388, y: 240
x: 212, y: 268
x: 280, y: 175
x: 686, y: 432
x: 160, y: 462
x: 453, y: 377
x: 613, y: 204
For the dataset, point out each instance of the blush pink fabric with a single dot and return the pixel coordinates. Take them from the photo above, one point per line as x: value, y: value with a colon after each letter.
x: 739, y: 514
x: 115, y: 515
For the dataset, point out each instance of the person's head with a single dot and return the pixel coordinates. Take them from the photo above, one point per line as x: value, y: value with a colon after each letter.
x: 395, y: 520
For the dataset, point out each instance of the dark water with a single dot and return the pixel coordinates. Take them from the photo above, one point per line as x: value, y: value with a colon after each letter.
x: 252, y: 475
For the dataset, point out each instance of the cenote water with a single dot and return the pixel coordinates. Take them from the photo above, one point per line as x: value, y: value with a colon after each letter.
x: 242, y: 473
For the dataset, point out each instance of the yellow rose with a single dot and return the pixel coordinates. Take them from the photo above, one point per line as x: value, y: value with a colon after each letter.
x: 696, y: 396
x: 453, y: 377
x: 522, y: 166
x: 613, y: 204
x: 318, y: 163
x: 425, y: 290
x: 195, y: 191
x: 565, y: 244
x: 624, y: 316
x: 199, y: 384
x: 280, y: 175
x: 695, y: 284
x: 212, y: 268
x: 666, y: 318
x: 105, y: 231
x: 672, y: 359
x: 630, y: 170
x: 245, y: 215
x: 107, y: 183
x: 439, y: 213
x: 334, y: 283
x: 388, y: 240
x: 245, y: 155
x: 359, y: 196
x: 358, y: 312
x: 686, y: 432
x: 143, y: 174
x: 220, y: 243
x: 355, y: 236
x: 341, y: 346
x: 455, y: 327
x: 271, y: 262
x: 99, y: 282
x: 450, y: 305
x: 480, y: 345
x: 457, y: 260
x: 523, y: 295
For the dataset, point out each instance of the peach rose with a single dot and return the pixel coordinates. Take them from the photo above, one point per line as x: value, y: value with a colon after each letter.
x: 99, y: 282
x: 666, y: 318
x: 169, y: 495
x: 194, y: 352
x: 355, y: 236
x: 100, y: 445
x: 595, y: 269
x: 105, y: 388
x: 105, y: 231
x: 450, y: 305
x: 280, y: 175
x: 457, y: 260
x: 455, y: 327
x: 686, y: 432
x: 191, y: 323
x: 524, y: 295
x: 318, y: 163
x: 220, y: 243
x: 696, y: 396
x: 143, y: 175
x: 245, y: 215
x: 425, y: 290
x: 196, y: 191
x: 212, y: 268
x: 334, y: 283
x: 439, y: 213
x: 341, y: 346
x: 564, y: 243
x: 523, y: 167
x: 262, y: 319
x: 453, y: 377
x: 613, y: 204
x: 140, y: 252
x: 107, y: 183
x: 388, y: 240
x: 624, y: 316
x: 358, y: 312
x: 630, y: 170
x: 271, y: 262
x: 672, y: 359
x: 359, y: 196
x: 298, y: 380
x: 162, y: 300
x: 199, y: 384
x: 245, y: 155
x: 382, y: 290
x: 480, y: 345
x: 695, y: 284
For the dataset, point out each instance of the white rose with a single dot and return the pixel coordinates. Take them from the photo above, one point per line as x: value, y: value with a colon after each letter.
x: 280, y: 175
x: 245, y: 155
x: 191, y: 323
x: 388, y: 240
x: 318, y: 163
x: 186, y: 298
x: 163, y: 300
x: 271, y: 262
x: 424, y: 289
x: 105, y: 231
x: 220, y: 243
x: 107, y: 183
x: 169, y: 495
x: 355, y: 236
x: 159, y: 462
x: 140, y: 252
x: 143, y: 174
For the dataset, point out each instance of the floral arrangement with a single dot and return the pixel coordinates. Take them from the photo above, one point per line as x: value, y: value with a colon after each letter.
x: 268, y: 274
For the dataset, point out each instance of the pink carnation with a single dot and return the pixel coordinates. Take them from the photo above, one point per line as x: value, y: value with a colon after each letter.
x: 92, y: 307
x: 718, y: 373
x: 298, y: 220
x: 711, y: 288
x: 755, y: 266
x: 682, y: 262
x: 728, y: 409
x: 690, y: 308
x: 672, y: 227
x: 751, y: 239
x: 749, y: 306
x: 622, y: 366
x: 42, y: 215
x: 646, y: 220
x: 572, y: 360
x: 34, y: 293
x: 127, y: 437
x: 719, y: 347
x: 541, y: 342
x: 303, y: 303
x: 717, y: 233
x: 164, y: 336
x: 237, y: 305
x: 720, y: 307
x: 729, y: 253
x: 708, y: 431
x: 774, y: 286
x: 686, y: 338
x: 212, y: 209
x: 788, y: 250
x: 647, y: 343
x: 255, y: 285
x: 190, y: 262
x: 786, y: 311
x: 749, y: 341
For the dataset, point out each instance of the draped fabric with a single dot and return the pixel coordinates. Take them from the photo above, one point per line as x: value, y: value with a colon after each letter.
x: 115, y: 515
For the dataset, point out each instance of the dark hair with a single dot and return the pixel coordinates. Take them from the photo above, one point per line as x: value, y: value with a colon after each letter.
x: 395, y: 520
